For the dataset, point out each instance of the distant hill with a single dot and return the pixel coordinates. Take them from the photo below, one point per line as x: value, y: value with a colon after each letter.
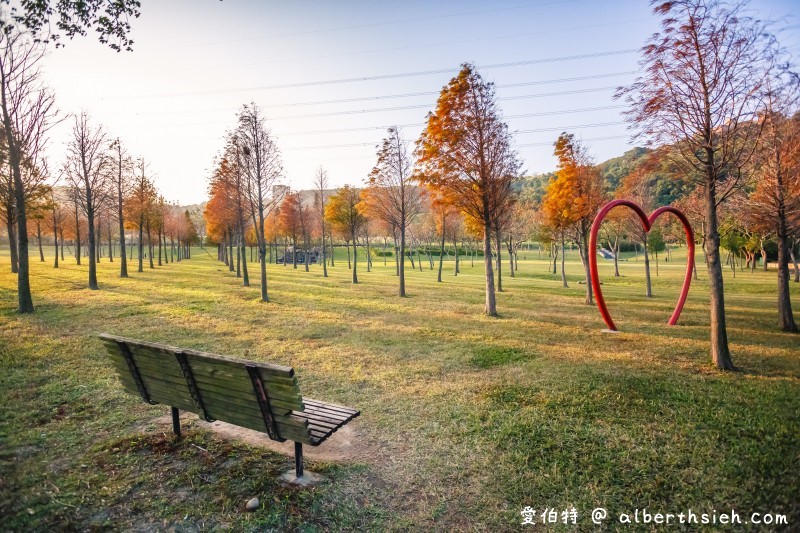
x: 617, y: 168
x: 533, y: 187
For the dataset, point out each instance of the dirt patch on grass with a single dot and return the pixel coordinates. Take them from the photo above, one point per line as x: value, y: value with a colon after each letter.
x: 349, y: 444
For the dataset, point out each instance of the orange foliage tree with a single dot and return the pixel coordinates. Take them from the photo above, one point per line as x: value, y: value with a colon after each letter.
x: 465, y: 155
x: 573, y: 199
x: 346, y: 218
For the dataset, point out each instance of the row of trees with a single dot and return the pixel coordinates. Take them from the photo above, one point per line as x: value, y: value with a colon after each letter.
x: 28, y: 106
x: 98, y: 188
x: 100, y: 191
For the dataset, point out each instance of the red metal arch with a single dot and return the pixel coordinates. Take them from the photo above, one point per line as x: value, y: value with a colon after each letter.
x: 647, y: 223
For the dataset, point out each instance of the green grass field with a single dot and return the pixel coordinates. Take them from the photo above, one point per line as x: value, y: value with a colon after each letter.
x: 465, y: 419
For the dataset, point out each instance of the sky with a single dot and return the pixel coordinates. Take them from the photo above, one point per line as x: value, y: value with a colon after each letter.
x: 331, y: 77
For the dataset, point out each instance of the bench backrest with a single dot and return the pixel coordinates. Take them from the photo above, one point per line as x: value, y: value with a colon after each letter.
x: 254, y: 395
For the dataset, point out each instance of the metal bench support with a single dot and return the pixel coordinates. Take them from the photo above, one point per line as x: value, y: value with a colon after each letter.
x: 298, y: 459
x: 137, y: 378
x: 176, y: 422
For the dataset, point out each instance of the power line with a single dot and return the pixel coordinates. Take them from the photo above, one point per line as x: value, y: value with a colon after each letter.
x: 418, y: 124
x: 432, y: 45
x: 393, y: 76
x: 595, y: 139
x: 428, y: 106
x: 525, y: 115
x: 539, y: 130
x: 434, y: 93
x: 392, y: 96
x: 578, y: 127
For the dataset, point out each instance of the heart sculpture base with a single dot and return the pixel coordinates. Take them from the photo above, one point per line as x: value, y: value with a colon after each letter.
x: 647, y: 223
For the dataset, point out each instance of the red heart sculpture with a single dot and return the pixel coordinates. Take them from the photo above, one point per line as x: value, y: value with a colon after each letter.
x: 647, y: 223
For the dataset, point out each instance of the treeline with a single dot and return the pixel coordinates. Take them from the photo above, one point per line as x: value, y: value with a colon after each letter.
x: 98, y: 197
x: 100, y: 202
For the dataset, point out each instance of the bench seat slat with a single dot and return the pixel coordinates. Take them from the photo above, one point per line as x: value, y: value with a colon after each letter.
x: 325, y: 413
x: 329, y: 406
x: 311, y: 415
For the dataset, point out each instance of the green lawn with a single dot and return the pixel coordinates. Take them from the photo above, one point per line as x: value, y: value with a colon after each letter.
x: 467, y: 419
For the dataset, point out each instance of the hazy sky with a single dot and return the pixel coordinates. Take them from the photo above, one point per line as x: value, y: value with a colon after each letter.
x: 195, y: 62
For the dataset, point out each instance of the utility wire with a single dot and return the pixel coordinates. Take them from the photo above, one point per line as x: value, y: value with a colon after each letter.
x: 429, y: 106
x: 434, y: 93
x: 432, y: 45
x: 595, y: 139
x: 525, y: 115
x: 392, y: 76
x: 539, y: 130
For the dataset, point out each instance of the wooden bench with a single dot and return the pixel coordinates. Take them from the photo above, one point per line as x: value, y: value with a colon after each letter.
x: 259, y: 396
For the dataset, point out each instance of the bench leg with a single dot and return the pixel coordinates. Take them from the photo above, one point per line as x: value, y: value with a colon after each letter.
x: 176, y: 422
x: 298, y: 459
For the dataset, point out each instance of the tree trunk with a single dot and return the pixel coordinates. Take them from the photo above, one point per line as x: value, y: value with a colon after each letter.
x: 491, y: 302
x: 615, y: 251
x: 785, y: 317
x: 324, y: 253
x: 13, y: 245
x: 245, y: 274
x: 441, y: 252
x: 150, y: 247
x: 262, y: 256
x: 24, y: 297
x: 355, y: 258
x: 98, y: 241
x: 231, y: 237
x: 720, y: 353
x: 499, y: 247
x: 238, y: 257
x: 92, y: 241
x: 648, y: 292
x: 401, y: 267
x: 77, y: 236
x: 55, y: 239
x: 457, y: 268
x: 510, y: 248
x: 39, y: 239
x: 563, y: 256
x: 369, y: 259
x: 796, y: 267
x: 305, y: 251
x: 141, y: 243
x: 110, y: 243
x: 584, y: 251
